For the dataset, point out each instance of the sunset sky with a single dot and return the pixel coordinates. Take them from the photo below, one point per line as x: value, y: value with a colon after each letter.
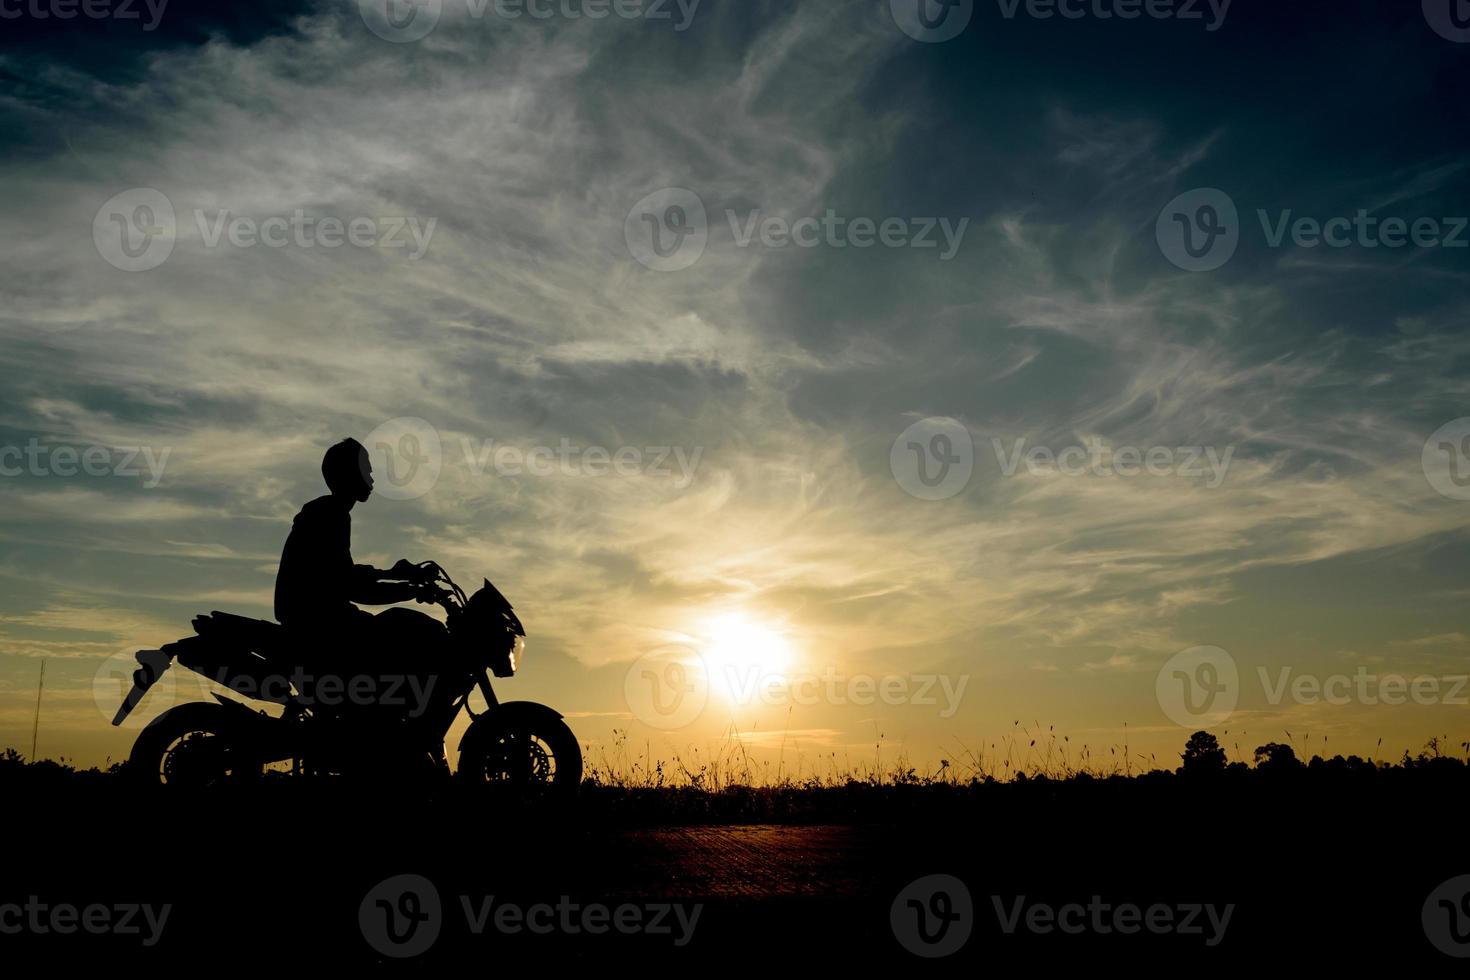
x: 762, y: 518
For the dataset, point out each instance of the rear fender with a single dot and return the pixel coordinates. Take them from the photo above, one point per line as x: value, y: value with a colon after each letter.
x: 248, y: 724
x: 151, y: 665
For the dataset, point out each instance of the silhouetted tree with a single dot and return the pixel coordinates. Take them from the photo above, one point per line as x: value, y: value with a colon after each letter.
x: 1275, y: 757
x: 1202, y: 754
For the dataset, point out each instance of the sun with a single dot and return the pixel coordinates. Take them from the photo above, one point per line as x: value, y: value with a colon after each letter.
x: 740, y: 654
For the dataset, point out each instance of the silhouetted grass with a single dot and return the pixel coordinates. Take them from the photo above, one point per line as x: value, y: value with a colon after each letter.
x: 622, y: 787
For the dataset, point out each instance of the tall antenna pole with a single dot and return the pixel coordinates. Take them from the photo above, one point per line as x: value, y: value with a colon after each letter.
x: 36, y: 728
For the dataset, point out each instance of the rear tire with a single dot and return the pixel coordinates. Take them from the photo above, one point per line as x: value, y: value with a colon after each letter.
x: 191, y: 746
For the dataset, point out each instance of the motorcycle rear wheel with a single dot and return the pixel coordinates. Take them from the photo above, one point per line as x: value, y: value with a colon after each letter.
x: 191, y: 746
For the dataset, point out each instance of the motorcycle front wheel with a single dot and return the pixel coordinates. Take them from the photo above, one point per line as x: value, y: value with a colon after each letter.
x: 527, y: 758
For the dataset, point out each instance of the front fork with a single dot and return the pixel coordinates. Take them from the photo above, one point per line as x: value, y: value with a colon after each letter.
x: 491, y: 701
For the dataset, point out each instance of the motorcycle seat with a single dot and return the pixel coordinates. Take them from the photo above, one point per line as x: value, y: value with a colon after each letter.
x: 259, y: 635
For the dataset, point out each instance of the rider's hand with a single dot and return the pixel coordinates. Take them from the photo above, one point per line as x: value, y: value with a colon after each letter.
x: 406, y: 570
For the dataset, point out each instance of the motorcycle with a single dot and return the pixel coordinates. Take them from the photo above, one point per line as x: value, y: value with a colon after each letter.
x: 518, y: 746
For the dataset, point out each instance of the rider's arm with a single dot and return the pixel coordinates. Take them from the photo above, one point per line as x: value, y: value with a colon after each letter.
x: 369, y: 585
x: 384, y: 593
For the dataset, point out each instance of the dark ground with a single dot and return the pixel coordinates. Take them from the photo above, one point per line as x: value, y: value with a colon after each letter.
x: 1323, y: 870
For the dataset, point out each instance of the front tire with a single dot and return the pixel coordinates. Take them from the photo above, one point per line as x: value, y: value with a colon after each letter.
x: 191, y: 746
x: 523, y: 754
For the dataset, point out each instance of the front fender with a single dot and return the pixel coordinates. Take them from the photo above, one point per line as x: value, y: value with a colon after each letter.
x: 510, y: 712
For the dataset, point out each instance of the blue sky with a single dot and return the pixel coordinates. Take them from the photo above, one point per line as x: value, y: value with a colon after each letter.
x: 519, y: 149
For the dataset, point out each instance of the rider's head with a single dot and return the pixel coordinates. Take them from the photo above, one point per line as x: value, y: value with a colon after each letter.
x: 348, y: 471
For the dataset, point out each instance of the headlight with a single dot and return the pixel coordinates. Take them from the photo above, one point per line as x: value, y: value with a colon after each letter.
x: 517, y: 651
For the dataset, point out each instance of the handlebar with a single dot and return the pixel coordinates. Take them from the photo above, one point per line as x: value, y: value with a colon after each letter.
x: 437, y: 587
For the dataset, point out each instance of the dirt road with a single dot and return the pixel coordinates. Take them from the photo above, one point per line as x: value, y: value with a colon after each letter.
x: 748, y: 862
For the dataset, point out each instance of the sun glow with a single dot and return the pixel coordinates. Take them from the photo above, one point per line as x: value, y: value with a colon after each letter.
x: 740, y: 654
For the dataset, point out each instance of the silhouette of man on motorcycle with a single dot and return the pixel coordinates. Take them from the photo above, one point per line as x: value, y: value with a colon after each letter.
x: 407, y: 676
x: 318, y: 583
